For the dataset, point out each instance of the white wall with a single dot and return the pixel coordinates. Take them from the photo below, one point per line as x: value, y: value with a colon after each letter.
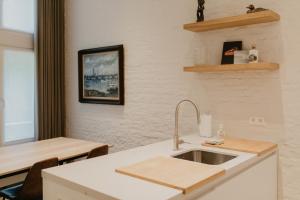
x: 157, y: 48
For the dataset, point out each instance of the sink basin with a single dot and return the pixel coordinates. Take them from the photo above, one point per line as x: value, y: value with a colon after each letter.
x: 206, y: 157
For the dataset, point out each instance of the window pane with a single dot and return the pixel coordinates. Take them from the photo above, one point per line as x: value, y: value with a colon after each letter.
x: 18, y: 15
x: 18, y: 95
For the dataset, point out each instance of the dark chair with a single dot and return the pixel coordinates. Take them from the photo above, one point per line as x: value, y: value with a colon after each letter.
x: 32, y: 187
x: 99, y: 151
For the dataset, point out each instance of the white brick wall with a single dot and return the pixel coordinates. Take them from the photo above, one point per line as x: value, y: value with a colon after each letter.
x: 157, y: 48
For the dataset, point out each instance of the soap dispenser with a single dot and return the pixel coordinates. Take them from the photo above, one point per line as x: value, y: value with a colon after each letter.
x: 219, y: 139
x: 221, y: 132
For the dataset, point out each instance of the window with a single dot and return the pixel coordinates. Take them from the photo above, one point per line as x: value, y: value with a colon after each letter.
x: 17, y: 71
x: 18, y: 15
x: 18, y: 95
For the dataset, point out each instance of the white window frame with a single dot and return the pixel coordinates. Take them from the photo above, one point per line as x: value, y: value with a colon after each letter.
x: 15, y: 40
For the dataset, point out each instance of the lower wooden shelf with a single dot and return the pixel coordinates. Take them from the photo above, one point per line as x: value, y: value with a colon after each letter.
x: 232, y: 67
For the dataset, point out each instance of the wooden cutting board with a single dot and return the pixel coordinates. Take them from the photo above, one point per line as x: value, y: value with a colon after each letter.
x: 246, y: 145
x: 172, y: 172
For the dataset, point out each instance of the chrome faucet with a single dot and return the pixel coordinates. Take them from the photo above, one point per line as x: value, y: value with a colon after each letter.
x: 177, y: 140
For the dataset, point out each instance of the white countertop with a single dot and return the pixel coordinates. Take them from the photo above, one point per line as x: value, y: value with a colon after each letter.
x: 97, y: 177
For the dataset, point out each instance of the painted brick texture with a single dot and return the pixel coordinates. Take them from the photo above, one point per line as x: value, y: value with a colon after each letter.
x: 156, y: 49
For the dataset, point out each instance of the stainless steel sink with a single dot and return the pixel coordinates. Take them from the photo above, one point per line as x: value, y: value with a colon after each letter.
x: 205, y: 157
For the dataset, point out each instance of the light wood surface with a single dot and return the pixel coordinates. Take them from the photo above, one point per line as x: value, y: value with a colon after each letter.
x: 175, y: 173
x: 21, y: 157
x: 246, y: 145
x: 232, y: 67
x: 234, y: 21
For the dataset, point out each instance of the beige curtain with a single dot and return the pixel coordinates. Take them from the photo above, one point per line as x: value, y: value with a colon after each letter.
x: 50, y: 69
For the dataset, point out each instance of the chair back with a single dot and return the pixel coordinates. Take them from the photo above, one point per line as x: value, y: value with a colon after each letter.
x: 99, y: 151
x: 33, y: 185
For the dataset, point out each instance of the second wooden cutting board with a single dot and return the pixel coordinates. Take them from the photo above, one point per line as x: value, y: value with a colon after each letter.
x: 246, y: 145
x: 175, y: 173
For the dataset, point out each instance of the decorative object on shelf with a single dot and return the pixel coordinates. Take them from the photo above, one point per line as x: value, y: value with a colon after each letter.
x: 241, y: 57
x: 228, y: 51
x: 101, y: 75
x: 252, y: 9
x: 200, y: 11
x: 253, y: 55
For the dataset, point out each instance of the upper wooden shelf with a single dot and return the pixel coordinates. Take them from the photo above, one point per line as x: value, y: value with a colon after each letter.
x: 234, y: 21
x: 232, y: 67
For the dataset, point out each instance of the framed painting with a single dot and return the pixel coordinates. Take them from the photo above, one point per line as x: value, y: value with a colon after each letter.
x: 101, y: 75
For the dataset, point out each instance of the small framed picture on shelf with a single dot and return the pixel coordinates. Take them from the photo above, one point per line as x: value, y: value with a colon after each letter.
x: 101, y: 75
x: 228, y: 51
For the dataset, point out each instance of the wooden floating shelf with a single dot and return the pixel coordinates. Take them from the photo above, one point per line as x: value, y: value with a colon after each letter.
x: 232, y: 67
x: 234, y: 21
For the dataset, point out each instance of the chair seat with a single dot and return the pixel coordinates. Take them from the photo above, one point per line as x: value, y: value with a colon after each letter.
x: 10, y: 192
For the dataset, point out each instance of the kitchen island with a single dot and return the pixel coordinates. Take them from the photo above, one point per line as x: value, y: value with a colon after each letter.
x: 247, y: 176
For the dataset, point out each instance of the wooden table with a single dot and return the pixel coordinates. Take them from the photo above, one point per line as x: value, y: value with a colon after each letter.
x: 18, y: 159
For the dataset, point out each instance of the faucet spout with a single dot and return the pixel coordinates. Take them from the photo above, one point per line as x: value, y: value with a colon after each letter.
x: 176, y: 138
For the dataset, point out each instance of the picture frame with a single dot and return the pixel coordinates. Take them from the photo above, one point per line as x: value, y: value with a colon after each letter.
x: 228, y: 51
x: 101, y: 75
